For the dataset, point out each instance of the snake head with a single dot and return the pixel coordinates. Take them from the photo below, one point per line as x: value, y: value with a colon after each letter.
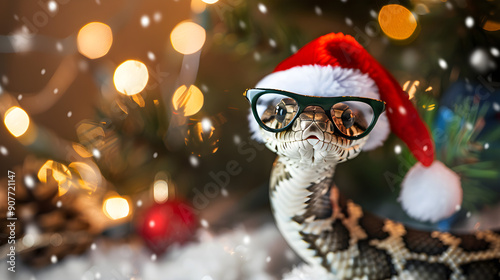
x: 313, y: 137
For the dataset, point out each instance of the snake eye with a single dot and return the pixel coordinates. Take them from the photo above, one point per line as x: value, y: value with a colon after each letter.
x: 352, y: 117
x: 280, y: 112
x: 348, y: 118
x: 276, y: 111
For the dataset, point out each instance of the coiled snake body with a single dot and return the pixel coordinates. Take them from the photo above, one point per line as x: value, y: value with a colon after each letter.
x: 334, y: 233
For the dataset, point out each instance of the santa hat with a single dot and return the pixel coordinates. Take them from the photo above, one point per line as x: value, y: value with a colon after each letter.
x: 337, y: 65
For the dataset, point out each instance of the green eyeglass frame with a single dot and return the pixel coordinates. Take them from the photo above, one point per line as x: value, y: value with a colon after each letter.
x: 304, y: 101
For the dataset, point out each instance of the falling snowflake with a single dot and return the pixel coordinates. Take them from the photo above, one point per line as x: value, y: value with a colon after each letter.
x: 242, y: 24
x: 4, y: 151
x: 194, y: 160
x: 262, y: 8
x: 70, y: 114
x: 348, y: 21
x: 59, y: 46
x: 145, y: 21
x: 29, y: 181
x: 494, y: 51
x: 469, y: 22
x: 96, y: 153
x: 397, y: 149
x: 256, y: 56
x: 151, y: 56
x: 204, y: 223
x: 52, y: 5
x: 442, y: 63
x: 157, y: 17
x: 318, y: 10
x: 272, y: 43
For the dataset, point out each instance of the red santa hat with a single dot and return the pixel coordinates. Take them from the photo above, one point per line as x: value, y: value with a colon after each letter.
x: 337, y: 65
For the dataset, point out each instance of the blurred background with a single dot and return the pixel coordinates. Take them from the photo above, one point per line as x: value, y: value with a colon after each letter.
x: 125, y: 126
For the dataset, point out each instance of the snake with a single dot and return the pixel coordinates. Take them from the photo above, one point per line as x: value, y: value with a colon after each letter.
x: 332, y: 232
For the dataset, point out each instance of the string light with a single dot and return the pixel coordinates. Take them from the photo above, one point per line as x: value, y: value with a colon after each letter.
x: 16, y: 120
x: 198, y: 6
x: 94, y: 40
x: 131, y: 77
x: 160, y: 191
x: 397, y: 22
x: 188, y: 37
x: 116, y: 207
x: 188, y: 100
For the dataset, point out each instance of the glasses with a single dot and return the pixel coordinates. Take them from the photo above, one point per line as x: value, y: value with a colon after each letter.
x: 353, y: 117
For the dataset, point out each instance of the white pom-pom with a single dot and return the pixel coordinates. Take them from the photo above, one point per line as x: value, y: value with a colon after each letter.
x: 431, y: 193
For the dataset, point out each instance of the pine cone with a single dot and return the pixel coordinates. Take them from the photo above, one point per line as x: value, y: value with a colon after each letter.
x: 47, y: 224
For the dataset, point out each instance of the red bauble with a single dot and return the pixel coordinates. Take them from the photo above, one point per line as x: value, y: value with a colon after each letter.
x: 165, y: 224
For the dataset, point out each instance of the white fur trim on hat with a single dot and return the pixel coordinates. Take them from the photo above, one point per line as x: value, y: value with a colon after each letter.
x: 320, y: 80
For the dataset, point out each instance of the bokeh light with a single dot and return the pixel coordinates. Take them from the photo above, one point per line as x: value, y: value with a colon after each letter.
x: 160, y: 191
x: 131, y: 77
x: 59, y: 172
x: 491, y: 25
x: 397, y: 22
x: 16, y: 120
x: 89, y: 177
x: 116, y: 207
x: 94, y: 40
x: 210, y: 1
x: 198, y: 6
x: 188, y: 101
x: 187, y: 37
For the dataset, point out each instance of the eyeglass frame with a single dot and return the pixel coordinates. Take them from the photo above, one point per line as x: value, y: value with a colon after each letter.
x: 304, y: 101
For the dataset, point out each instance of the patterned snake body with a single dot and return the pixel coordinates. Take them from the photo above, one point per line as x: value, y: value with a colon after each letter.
x: 331, y: 232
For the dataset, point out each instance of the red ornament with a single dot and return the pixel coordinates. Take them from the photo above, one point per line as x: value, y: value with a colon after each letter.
x: 165, y: 224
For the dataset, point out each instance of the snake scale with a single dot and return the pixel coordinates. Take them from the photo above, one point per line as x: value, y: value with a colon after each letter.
x: 335, y: 233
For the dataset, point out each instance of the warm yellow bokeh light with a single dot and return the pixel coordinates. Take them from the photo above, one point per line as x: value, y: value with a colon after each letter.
x: 210, y: 1
x: 160, y: 191
x: 188, y: 100
x: 81, y: 150
x: 94, y: 40
x: 116, y: 207
x: 198, y: 6
x: 60, y: 173
x: 187, y: 37
x: 131, y: 77
x: 491, y: 26
x: 89, y: 179
x: 397, y: 22
x: 16, y: 120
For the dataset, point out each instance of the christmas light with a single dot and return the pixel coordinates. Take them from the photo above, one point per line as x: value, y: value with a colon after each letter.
x: 198, y: 6
x: 116, y: 208
x: 491, y: 25
x: 188, y: 100
x: 16, y: 120
x: 160, y: 191
x: 60, y: 173
x: 131, y: 77
x: 94, y: 40
x: 397, y: 22
x: 187, y: 37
